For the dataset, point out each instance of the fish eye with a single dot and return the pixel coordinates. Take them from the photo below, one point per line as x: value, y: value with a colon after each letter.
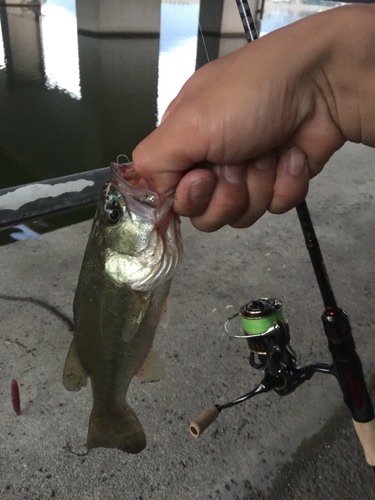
x: 113, y: 212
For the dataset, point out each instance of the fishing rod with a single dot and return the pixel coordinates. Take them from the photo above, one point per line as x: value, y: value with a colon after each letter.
x: 266, y: 331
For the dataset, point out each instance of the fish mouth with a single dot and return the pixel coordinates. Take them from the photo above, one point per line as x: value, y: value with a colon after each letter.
x: 141, y: 199
x: 159, y: 250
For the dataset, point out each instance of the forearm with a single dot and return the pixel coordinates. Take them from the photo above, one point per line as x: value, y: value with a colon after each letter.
x: 347, y: 74
x: 329, y: 61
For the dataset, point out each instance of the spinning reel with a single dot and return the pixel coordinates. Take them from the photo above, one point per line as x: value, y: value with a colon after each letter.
x: 266, y: 331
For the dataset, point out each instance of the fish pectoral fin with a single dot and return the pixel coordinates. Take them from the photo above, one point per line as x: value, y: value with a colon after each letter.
x: 165, y: 312
x: 74, y: 376
x: 153, y: 368
x: 136, y: 315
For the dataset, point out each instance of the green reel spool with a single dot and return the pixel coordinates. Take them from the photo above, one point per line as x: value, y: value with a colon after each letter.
x: 258, y: 319
x: 259, y: 315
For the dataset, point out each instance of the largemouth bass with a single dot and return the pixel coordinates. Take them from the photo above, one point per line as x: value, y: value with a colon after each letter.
x: 131, y: 255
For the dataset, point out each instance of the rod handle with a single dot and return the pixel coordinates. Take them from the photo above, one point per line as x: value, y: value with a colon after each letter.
x: 201, y: 423
x: 366, y: 435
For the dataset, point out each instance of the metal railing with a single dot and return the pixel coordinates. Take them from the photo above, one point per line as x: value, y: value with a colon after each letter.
x: 20, y: 204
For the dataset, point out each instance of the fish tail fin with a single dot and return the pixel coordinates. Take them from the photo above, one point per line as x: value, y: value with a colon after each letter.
x: 120, y: 429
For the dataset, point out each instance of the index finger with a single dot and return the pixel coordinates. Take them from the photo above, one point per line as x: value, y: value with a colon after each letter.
x: 170, y: 150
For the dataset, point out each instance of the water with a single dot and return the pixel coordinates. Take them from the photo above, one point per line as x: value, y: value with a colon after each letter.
x: 281, y: 13
x: 72, y: 99
x: 178, y: 50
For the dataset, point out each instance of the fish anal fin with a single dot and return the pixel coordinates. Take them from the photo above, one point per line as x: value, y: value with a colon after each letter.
x: 120, y: 429
x: 153, y: 368
x: 74, y: 376
x: 136, y: 315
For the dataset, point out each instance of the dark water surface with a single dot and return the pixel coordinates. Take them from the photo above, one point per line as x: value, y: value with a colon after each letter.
x: 80, y: 85
x: 77, y: 87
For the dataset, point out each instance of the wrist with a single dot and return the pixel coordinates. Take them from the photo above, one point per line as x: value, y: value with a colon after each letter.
x: 349, y: 72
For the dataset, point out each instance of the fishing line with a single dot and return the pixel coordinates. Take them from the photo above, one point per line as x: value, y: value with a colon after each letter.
x: 69, y: 450
x: 204, y: 42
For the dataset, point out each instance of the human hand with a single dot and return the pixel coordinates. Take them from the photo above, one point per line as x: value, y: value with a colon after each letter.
x: 247, y: 131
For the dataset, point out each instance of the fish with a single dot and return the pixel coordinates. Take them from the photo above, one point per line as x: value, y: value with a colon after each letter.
x: 132, y: 252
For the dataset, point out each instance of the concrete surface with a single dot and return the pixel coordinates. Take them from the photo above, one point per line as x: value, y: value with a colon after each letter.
x: 300, y: 447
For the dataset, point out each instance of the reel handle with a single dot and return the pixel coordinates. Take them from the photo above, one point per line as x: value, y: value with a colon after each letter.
x: 201, y: 423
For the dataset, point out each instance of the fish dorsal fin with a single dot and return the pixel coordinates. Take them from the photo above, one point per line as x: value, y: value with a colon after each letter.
x: 74, y: 376
x: 153, y: 368
x: 135, y: 315
x: 165, y: 312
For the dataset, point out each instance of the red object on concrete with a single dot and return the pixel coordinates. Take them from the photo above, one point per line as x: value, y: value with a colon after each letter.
x: 16, y: 403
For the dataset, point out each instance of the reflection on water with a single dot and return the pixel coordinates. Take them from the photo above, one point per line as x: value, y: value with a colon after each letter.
x: 278, y: 14
x: 60, y: 44
x: 178, y: 49
x: 2, y: 54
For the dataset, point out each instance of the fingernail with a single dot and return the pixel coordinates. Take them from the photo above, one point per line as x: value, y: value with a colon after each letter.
x: 234, y: 174
x: 202, y: 190
x: 264, y: 163
x: 296, y: 162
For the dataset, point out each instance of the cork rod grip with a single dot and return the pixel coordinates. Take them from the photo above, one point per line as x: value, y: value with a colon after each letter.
x: 201, y: 423
x: 366, y: 435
